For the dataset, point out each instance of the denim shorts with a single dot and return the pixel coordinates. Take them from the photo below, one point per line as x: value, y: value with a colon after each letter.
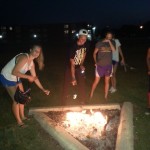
x: 7, y: 83
x: 101, y: 71
x: 115, y: 62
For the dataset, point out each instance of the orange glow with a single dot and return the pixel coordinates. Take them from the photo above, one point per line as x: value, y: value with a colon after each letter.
x: 77, y: 121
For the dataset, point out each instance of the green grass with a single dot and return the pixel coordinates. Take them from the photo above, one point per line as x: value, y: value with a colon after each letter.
x: 132, y: 87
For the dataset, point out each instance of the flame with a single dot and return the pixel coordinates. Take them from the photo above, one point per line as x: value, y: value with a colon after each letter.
x: 96, y: 118
x: 86, y: 123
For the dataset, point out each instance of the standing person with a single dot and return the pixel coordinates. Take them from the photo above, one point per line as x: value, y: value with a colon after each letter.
x: 16, y: 68
x: 115, y: 62
x: 103, y: 61
x: 75, y: 67
x: 148, y: 67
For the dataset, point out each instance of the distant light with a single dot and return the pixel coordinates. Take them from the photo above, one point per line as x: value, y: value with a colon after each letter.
x: 77, y: 34
x: 66, y: 26
x: 10, y: 28
x: 141, y: 27
x: 34, y: 35
x: 66, y: 31
x: 1, y: 36
x: 89, y: 35
x: 89, y: 25
x: 94, y: 28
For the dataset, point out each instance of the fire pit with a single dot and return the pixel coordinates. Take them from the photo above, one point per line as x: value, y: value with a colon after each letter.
x: 88, y: 127
x: 94, y: 128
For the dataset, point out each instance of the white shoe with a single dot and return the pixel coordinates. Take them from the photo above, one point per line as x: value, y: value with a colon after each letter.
x: 113, y: 90
x: 147, y: 113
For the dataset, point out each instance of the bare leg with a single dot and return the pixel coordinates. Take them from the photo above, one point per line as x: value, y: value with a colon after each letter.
x: 107, y: 78
x: 113, y: 78
x: 96, y: 81
x: 21, y: 111
x: 15, y: 107
x: 21, y: 106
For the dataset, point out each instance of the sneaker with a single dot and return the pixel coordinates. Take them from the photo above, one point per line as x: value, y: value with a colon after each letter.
x: 113, y: 90
x: 147, y: 113
x: 110, y: 89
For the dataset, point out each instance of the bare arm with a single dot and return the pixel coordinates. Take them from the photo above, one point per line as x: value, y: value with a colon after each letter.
x: 73, y: 71
x: 94, y: 54
x: 83, y: 58
x: 21, y: 60
x: 112, y: 46
x: 121, y: 54
x: 37, y: 81
x: 81, y: 65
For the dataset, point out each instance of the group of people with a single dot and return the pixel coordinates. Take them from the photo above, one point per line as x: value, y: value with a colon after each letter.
x: 106, y: 58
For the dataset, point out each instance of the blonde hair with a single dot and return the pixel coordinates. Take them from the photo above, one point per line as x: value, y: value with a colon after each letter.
x: 40, y: 58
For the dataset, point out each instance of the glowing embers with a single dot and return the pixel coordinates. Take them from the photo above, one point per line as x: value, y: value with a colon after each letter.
x: 84, y: 125
x: 94, y: 128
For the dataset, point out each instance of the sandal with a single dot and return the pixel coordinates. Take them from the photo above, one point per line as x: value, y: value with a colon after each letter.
x: 26, y: 119
x: 22, y: 125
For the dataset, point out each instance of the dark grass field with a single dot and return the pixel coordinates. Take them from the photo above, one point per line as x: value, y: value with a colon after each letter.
x: 132, y: 86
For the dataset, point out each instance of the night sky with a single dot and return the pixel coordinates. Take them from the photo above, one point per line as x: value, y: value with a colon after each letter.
x: 114, y: 13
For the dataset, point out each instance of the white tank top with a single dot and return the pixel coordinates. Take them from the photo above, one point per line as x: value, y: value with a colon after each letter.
x: 7, y: 70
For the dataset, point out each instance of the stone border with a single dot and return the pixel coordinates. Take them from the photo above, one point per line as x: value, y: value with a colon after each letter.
x: 125, y: 131
x: 125, y: 137
x: 74, y: 108
x: 58, y: 133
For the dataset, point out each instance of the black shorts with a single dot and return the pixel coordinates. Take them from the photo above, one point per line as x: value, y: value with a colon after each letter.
x: 114, y: 62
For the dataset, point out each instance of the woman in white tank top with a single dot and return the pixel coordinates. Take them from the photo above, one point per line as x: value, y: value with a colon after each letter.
x: 17, y: 67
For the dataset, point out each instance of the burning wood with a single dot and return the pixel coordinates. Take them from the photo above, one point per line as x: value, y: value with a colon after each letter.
x: 89, y: 125
x: 95, y: 129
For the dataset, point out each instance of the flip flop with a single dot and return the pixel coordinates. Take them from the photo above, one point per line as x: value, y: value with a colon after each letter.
x: 26, y: 119
x: 22, y: 125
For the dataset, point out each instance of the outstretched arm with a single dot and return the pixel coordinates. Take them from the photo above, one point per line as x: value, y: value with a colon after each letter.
x: 37, y: 81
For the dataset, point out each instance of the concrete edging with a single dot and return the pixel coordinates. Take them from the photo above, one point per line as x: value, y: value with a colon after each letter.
x: 125, y: 138
x: 58, y: 133
x: 74, y: 108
